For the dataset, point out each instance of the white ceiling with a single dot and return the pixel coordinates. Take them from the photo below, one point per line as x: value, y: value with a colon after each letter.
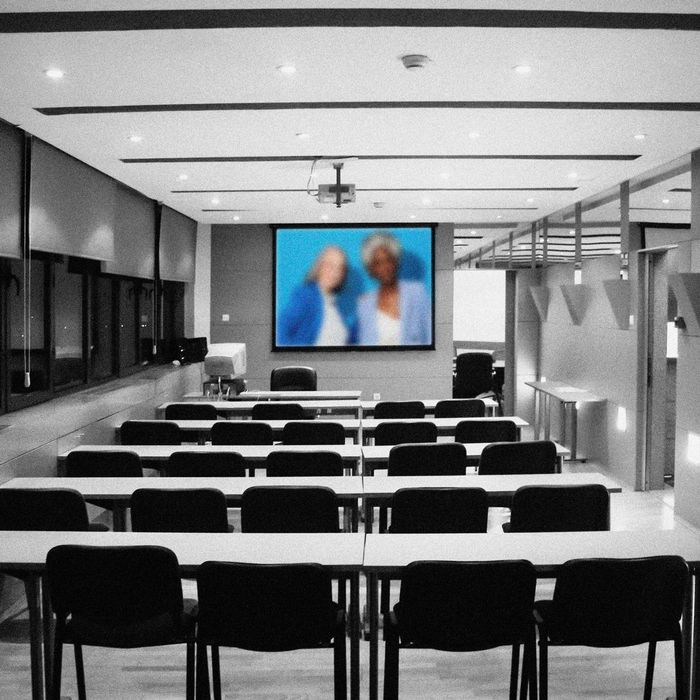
x: 540, y: 146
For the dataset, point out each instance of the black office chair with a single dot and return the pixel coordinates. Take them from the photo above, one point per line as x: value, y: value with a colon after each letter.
x: 44, y: 509
x: 460, y: 408
x: 89, y: 463
x: 427, y: 459
x: 179, y: 510
x: 149, y: 432
x: 525, y: 457
x: 559, y: 509
x: 190, y: 411
x: 394, y: 433
x: 241, y: 432
x: 224, y: 464
x: 277, y: 410
x: 486, y: 431
x: 473, y: 375
x: 267, y: 608
x: 293, y: 379
x: 418, y: 510
x: 399, y: 409
x: 289, y: 509
x: 616, y: 603
x: 289, y: 463
x: 318, y: 432
x: 464, y: 606
x: 119, y: 597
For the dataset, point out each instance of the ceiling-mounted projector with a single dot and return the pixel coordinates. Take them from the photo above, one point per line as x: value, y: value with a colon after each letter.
x: 328, y: 194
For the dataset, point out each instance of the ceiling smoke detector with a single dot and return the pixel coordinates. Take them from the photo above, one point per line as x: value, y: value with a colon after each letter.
x: 414, y: 61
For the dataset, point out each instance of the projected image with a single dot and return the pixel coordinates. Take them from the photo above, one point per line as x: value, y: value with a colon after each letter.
x: 354, y: 287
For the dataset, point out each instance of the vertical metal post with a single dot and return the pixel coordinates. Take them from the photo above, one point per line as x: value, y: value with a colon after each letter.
x: 624, y: 228
x: 578, y: 241
x: 545, y: 234
x: 533, y: 243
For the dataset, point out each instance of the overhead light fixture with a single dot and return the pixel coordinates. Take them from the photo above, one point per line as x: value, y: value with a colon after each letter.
x: 530, y: 200
x: 412, y: 216
x: 287, y: 69
x: 665, y: 200
x: 572, y: 175
x: 215, y: 201
x: 414, y: 61
x: 54, y: 73
x: 324, y: 217
x: 474, y: 134
x: 182, y: 177
x: 236, y: 218
x: 135, y: 138
x: 640, y: 137
x: 522, y: 69
x: 426, y: 201
x: 445, y: 176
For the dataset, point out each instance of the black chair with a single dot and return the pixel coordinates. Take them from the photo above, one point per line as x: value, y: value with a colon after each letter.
x: 149, y: 432
x: 190, y: 411
x: 460, y: 408
x: 525, y: 457
x: 293, y: 379
x: 394, y: 433
x: 205, y: 464
x: 43, y: 509
x: 179, y: 510
x: 439, y: 510
x: 289, y: 463
x: 560, y: 509
x: 289, y: 509
x: 89, y: 463
x: 120, y: 597
x: 486, y: 431
x: 427, y: 459
x: 267, y: 608
x: 399, y: 409
x: 318, y: 432
x: 277, y: 410
x: 616, y: 603
x: 473, y: 375
x: 241, y: 432
x: 464, y: 606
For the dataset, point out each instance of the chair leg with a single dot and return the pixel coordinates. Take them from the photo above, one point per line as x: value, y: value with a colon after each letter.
x: 530, y: 662
x: 649, y: 676
x: 391, y: 665
x: 216, y: 672
x: 189, y: 672
x: 79, y: 671
x: 340, y: 668
x: 57, y: 661
x: 681, y: 690
x: 544, y: 679
x: 202, y: 672
x: 514, y: 668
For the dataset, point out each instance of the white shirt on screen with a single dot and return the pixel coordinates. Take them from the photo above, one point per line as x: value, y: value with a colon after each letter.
x: 388, y: 329
x: 333, y: 330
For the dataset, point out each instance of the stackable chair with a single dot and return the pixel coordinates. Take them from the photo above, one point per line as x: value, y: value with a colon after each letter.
x: 179, y: 510
x: 149, y: 432
x: 616, y: 603
x: 277, y: 410
x: 464, y: 606
x: 293, y: 378
x: 317, y: 432
x: 290, y: 463
x: 119, y: 597
x: 206, y: 464
x: 427, y: 459
x: 394, y: 433
x: 241, y: 432
x: 267, y: 608
x: 190, y: 411
x: 460, y: 408
x: 486, y: 431
x: 399, y: 409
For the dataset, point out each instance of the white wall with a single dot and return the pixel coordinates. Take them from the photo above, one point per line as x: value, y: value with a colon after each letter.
x: 479, y: 305
x: 202, y: 285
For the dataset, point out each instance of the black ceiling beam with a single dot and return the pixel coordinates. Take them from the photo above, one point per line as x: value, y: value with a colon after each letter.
x: 129, y: 20
x: 385, y: 189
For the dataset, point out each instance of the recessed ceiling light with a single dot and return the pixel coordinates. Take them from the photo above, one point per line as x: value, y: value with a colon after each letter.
x: 412, y: 216
x: 530, y: 200
x: 303, y: 136
x: 522, y: 69
x: 473, y: 233
x: 135, y: 138
x: 414, y: 61
x: 474, y: 134
x: 324, y: 217
x: 572, y: 175
x: 182, y: 177
x: 236, y: 218
x: 287, y: 69
x: 640, y: 137
x: 572, y: 231
x: 426, y: 201
x: 665, y: 200
x: 54, y: 73
x: 215, y: 200
x: 499, y: 217
x: 445, y: 176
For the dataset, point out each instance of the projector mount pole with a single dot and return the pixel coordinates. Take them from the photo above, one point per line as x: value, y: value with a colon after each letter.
x: 338, y: 167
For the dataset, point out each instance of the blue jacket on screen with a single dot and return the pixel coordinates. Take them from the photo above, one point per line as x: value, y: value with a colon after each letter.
x: 414, y: 311
x: 301, y: 319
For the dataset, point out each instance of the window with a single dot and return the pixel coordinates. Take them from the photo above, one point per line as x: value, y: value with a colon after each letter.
x: 69, y: 310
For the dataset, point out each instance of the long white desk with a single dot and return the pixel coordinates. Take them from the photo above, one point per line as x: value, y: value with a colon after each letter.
x: 386, y: 555
x: 243, y: 409
x: 341, y: 554
x: 322, y: 394
x: 445, y: 426
x: 569, y: 397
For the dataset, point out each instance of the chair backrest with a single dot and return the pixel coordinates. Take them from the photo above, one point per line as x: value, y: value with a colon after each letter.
x: 460, y: 408
x: 618, y: 602
x: 289, y: 509
x: 149, y: 432
x: 106, y: 590
x: 293, y: 379
x: 190, y: 411
x: 473, y: 375
x: 394, y: 433
x: 240, y: 432
x: 289, y: 463
x: 525, y: 457
x: 315, y: 432
x: 464, y: 606
x: 83, y: 463
x: 178, y: 510
x: 264, y: 607
x: 42, y: 509
x: 560, y: 508
x: 486, y: 431
x: 277, y: 410
x: 439, y: 510
x: 205, y: 464
x: 426, y: 459
x: 399, y: 409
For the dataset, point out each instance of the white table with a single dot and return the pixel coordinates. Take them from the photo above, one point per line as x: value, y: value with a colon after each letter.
x: 569, y: 397
x: 386, y: 555
x: 243, y: 409
x: 368, y: 406
x: 323, y: 394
